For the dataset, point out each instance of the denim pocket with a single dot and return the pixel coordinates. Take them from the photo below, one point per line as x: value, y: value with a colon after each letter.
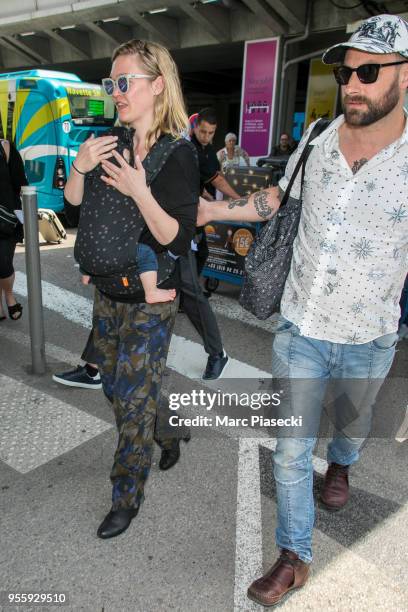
x: 386, y: 342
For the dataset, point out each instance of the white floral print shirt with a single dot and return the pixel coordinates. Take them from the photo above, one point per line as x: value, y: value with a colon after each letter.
x: 350, y: 256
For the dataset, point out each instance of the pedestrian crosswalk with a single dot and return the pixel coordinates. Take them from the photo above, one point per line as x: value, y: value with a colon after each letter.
x: 78, y: 309
x: 43, y: 428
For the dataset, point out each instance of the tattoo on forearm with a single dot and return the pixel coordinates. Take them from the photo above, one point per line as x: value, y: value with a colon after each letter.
x: 261, y: 204
x: 357, y: 164
x: 241, y: 202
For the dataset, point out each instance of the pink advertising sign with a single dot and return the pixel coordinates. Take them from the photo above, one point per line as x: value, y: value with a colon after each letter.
x: 258, y: 94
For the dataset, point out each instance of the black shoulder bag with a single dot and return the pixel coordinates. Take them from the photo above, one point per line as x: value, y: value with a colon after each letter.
x: 268, y: 261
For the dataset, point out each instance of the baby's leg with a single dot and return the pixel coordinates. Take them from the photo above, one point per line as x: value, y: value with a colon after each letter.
x: 153, y: 294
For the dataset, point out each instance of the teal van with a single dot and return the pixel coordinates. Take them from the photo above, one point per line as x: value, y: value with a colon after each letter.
x: 47, y: 115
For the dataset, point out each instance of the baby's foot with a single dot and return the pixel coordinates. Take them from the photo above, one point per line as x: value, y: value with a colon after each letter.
x: 160, y: 295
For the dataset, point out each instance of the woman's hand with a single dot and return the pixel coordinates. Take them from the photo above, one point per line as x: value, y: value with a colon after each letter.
x: 126, y: 179
x: 93, y: 151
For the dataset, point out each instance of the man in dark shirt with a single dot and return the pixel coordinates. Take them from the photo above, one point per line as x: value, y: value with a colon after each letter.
x: 285, y: 147
x: 210, y: 176
x: 195, y: 304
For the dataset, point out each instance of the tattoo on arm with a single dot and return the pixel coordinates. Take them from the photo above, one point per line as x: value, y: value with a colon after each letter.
x: 358, y: 164
x: 241, y: 202
x: 261, y: 204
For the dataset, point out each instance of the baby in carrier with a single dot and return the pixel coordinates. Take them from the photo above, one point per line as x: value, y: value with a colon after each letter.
x: 113, y: 244
x: 147, y: 267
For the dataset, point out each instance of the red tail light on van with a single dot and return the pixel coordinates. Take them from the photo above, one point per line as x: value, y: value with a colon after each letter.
x: 60, y: 176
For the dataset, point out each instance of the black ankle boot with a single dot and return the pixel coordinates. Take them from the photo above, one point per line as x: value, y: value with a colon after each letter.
x: 170, y: 456
x: 116, y: 522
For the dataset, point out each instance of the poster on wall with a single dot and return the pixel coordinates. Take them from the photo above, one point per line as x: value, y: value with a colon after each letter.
x: 228, y: 245
x: 258, y: 95
x: 322, y: 92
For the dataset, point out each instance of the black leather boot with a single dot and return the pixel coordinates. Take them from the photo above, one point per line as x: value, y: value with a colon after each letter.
x: 170, y: 456
x: 116, y: 522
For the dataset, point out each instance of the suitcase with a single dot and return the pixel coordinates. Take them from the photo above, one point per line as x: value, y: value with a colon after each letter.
x: 50, y: 227
x: 247, y: 180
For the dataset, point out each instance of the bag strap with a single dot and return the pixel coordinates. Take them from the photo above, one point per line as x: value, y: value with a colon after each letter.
x: 159, y: 155
x: 320, y: 126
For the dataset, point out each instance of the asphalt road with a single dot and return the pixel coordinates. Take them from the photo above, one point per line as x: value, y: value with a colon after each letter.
x: 206, y: 528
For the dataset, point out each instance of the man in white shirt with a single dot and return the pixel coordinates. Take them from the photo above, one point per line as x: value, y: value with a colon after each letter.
x: 339, y: 311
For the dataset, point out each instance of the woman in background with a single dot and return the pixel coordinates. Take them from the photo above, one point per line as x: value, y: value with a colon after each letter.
x: 12, y: 178
x: 232, y: 156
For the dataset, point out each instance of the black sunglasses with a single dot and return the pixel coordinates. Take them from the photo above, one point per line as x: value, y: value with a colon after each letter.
x: 366, y: 73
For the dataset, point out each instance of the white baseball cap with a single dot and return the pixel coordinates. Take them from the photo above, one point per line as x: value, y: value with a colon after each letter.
x: 379, y: 34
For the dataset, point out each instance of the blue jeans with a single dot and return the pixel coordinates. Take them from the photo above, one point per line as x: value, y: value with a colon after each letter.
x: 305, y: 366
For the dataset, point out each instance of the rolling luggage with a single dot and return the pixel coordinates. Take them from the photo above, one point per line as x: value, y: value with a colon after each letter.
x: 247, y: 180
x: 50, y: 227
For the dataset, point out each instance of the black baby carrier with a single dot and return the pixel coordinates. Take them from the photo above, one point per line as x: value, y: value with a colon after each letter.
x: 110, y: 225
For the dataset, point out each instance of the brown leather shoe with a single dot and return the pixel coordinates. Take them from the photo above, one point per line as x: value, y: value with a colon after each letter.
x: 335, y: 492
x: 287, y: 574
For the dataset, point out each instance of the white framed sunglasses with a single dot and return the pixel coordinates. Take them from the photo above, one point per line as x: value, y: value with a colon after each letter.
x: 122, y: 82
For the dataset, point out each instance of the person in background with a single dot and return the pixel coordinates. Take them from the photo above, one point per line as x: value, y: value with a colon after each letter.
x: 194, y: 303
x: 211, y: 178
x: 285, y: 147
x: 12, y: 178
x: 232, y: 156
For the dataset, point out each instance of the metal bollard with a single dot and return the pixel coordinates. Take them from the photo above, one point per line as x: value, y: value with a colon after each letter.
x: 33, y: 268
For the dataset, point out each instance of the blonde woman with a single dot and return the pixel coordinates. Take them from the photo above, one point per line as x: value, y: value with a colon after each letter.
x: 131, y: 336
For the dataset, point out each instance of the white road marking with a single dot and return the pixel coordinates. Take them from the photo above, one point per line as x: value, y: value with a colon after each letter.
x: 230, y: 308
x: 52, y: 350
x: 402, y: 433
x: 185, y: 356
x: 248, y: 549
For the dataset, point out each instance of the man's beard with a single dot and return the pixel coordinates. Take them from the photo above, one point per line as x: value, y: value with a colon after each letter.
x: 376, y: 110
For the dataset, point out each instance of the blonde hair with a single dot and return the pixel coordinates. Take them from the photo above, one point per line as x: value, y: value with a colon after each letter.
x: 170, y: 115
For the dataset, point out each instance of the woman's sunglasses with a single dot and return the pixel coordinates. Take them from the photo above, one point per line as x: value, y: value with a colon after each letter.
x: 122, y: 82
x: 366, y: 73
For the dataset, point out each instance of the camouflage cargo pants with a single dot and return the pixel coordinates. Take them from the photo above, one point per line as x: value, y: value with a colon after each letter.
x: 131, y: 342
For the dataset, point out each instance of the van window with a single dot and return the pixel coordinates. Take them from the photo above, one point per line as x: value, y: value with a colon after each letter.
x: 89, y: 106
x: 35, y: 170
x: 80, y: 135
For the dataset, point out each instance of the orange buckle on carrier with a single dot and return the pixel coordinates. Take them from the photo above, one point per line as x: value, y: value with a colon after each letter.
x: 125, y: 281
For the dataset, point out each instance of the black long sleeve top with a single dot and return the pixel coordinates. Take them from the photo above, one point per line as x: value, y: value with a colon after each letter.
x: 12, y: 178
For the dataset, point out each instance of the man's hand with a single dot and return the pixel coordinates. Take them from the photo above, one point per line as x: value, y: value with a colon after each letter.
x: 204, y: 212
x: 207, y: 196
